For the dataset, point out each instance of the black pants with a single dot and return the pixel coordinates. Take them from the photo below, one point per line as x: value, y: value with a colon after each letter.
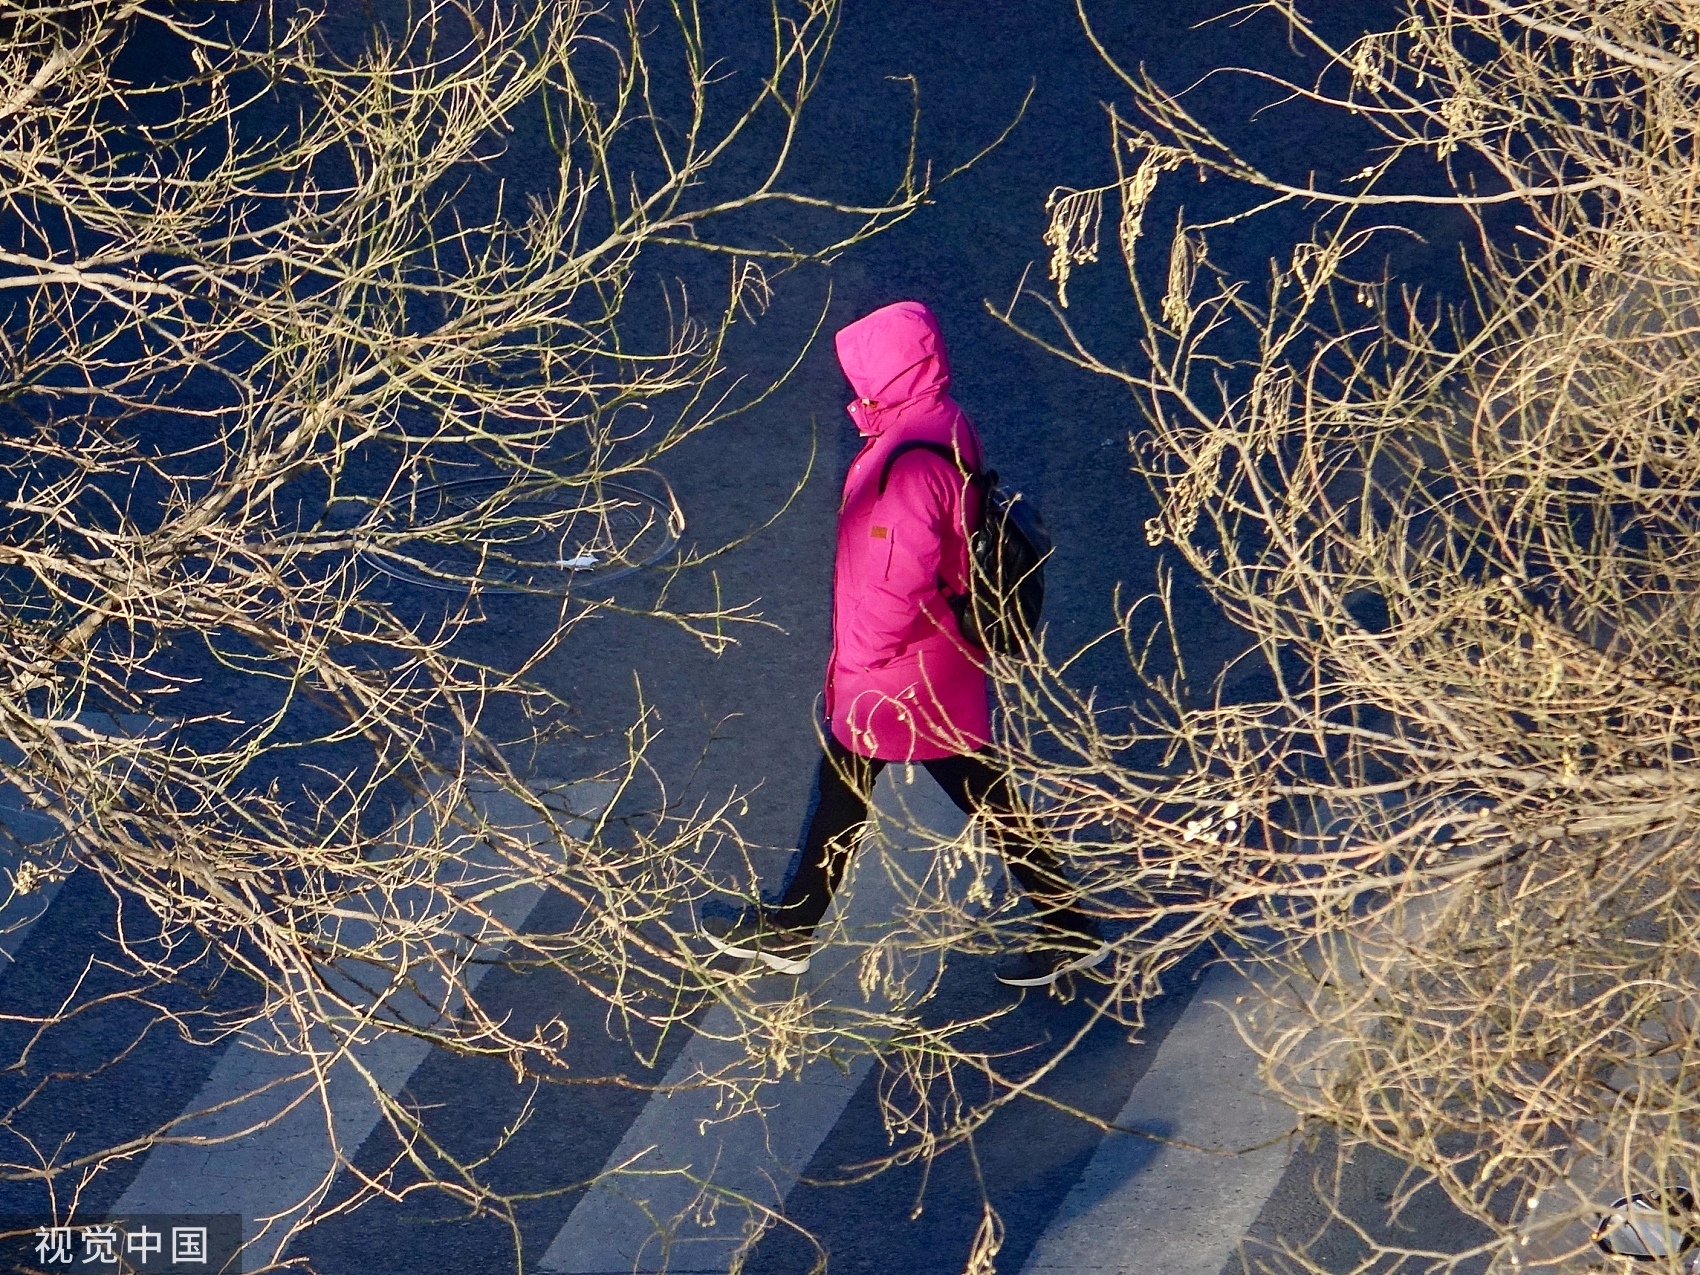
x: 845, y: 785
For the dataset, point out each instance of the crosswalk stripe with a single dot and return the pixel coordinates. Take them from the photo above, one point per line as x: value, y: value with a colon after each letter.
x: 261, y: 1147
x: 669, y: 1199
x: 1144, y: 1205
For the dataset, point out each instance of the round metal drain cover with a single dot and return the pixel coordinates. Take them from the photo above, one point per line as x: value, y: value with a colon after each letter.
x: 1649, y: 1227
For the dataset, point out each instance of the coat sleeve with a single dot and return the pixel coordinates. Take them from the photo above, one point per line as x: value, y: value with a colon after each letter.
x: 917, y: 502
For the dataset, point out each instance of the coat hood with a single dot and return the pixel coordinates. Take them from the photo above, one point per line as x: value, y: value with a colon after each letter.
x: 892, y: 356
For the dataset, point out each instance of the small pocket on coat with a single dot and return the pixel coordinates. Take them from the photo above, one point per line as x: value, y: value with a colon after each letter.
x: 881, y: 538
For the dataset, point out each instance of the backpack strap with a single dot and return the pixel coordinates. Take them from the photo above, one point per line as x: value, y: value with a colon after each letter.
x: 937, y: 449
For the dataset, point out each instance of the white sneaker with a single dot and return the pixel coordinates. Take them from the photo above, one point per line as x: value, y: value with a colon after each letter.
x: 755, y: 937
x: 1043, y: 966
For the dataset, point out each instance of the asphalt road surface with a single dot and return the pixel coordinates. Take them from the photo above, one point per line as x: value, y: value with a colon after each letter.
x: 1071, y: 1199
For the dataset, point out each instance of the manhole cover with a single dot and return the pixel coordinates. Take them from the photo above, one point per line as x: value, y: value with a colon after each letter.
x: 1649, y: 1227
x: 542, y: 538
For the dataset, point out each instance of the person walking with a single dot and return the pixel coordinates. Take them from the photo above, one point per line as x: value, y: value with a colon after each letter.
x: 902, y: 684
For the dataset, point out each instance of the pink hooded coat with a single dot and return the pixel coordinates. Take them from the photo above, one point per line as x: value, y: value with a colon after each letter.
x: 902, y: 685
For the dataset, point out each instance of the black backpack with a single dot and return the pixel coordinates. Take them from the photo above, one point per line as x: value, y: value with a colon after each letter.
x: 1007, y: 549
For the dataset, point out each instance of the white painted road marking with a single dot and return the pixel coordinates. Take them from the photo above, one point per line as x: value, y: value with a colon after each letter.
x: 1144, y: 1206
x: 652, y: 1213
x: 278, y: 1172
x: 1139, y: 1206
